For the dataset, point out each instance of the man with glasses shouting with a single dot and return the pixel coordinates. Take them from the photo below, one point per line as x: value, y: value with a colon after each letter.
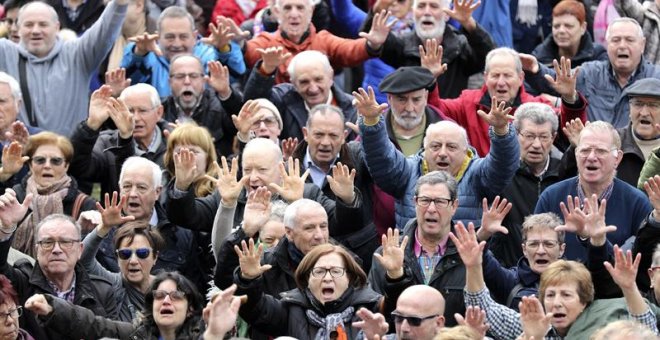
x: 57, y: 271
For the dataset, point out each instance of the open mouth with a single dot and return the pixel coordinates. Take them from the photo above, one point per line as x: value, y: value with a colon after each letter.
x: 47, y: 176
x: 644, y: 121
x: 327, y: 292
x: 542, y: 262
x: 166, y: 311
x: 428, y: 23
x: 133, y: 205
x: 431, y: 220
x: 187, y: 94
x: 558, y: 317
x: 623, y: 56
x: 442, y: 165
x: 591, y: 168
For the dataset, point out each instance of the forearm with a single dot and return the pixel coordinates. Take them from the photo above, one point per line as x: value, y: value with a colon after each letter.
x: 222, y: 225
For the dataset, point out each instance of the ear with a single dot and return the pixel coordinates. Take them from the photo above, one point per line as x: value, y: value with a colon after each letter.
x: 619, y: 157
x: 562, y: 248
x: 650, y: 272
x: 158, y: 190
x: 440, y: 321
x: 305, y: 132
x: 289, y: 233
x: 583, y: 28
x: 159, y: 112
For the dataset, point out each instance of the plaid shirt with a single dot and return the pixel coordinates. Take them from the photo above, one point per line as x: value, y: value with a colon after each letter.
x: 67, y: 295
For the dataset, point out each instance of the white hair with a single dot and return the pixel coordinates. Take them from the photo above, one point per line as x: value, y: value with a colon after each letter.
x: 46, y: 6
x: 291, y: 212
x: 141, y: 162
x: 306, y: 57
x: 13, y: 85
x: 264, y: 146
x: 446, y: 123
x: 640, y: 31
x: 141, y: 87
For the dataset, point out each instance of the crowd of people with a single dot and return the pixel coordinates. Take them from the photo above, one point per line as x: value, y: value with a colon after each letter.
x: 329, y: 169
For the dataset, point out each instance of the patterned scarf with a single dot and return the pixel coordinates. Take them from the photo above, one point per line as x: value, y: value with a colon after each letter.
x: 332, y: 323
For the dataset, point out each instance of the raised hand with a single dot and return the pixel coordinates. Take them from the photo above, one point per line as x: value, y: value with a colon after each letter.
x: 372, y: 324
x: 288, y: 147
x: 565, y: 80
x: 233, y: 28
x: 379, y: 30
x: 625, y: 268
x: 227, y: 184
x: 273, y: 57
x: 218, y: 78
x: 469, y: 249
x: 257, y: 211
x: 38, y: 305
x: 475, y: 318
x: 293, y: 184
x: 18, y: 133
x: 341, y: 182
x: 12, y: 211
x: 652, y: 187
x: 99, y: 111
x: 219, y: 35
x: 431, y: 57
x: 12, y: 160
x: 185, y: 169
x: 248, y: 115
x: 123, y: 118
x: 111, y: 214
x: 594, y: 221
x: 491, y: 218
x: 498, y: 117
x: 116, y: 79
x: 89, y: 220
x: 366, y: 105
x: 393, y: 253
x: 529, y: 63
x: 574, y: 217
x: 462, y: 13
x: 535, y: 321
x: 146, y: 43
x: 220, y: 314
x: 572, y: 130
x: 249, y: 259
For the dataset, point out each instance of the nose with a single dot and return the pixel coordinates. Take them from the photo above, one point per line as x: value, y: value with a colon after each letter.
x: 318, y: 234
x: 410, y: 107
x: 405, y: 326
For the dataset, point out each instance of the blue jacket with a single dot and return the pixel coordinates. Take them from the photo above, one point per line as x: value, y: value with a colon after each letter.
x: 155, y: 70
x: 397, y: 175
x: 501, y: 281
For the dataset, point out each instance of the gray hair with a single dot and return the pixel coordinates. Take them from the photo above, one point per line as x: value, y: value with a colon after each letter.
x: 142, y: 87
x: 48, y: 7
x: 309, y: 56
x: 545, y: 221
x: 656, y: 256
x: 187, y: 55
x: 438, y: 177
x: 141, y: 162
x: 640, y: 31
x: 57, y: 217
x: 265, y: 146
x: 443, y: 3
x: 277, y: 210
x: 537, y: 113
x: 13, y: 85
x: 291, y: 212
x: 324, y: 110
x: 447, y: 123
x: 504, y: 51
x: 278, y: 3
x: 629, y: 329
x: 175, y: 12
x: 601, y: 126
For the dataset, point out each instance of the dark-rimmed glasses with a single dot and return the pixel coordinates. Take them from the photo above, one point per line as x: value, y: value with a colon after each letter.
x: 414, y: 321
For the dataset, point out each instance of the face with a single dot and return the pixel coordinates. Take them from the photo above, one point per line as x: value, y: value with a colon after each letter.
x: 598, y: 165
x: 328, y: 288
x: 177, y: 37
x: 535, y: 142
x: 169, y: 313
x: 138, y: 185
x: 311, y: 229
x: 429, y: 19
x: 502, y: 79
x: 445, y: 149
x: 135, y: 269
x: 409, y: 306
x: 145, y: 114
x: 325, y: 137
x: 313, y: 82
x: 200, y: 158
x: 434, y: 221
x: 61, y: 259
x: 542, y: 248
x: 261, y: 168
x: 12, y: 25
x: 268, y: 127
x: 294, y: 17
x: 400, y: 8
x: 8, y: 324
x: 624, y: 47
x: 408, y: 108
x: 563, y: 302
x: 38, y: 30
x: 9, y: 106
x: 48, y: 165
x: 271, y: 233
x: 567, y: 31
x: 187, y: 82
x: 644, y: 114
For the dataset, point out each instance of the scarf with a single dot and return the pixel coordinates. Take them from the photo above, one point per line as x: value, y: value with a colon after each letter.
x: 132, y: 304
x: 527, y: 12
x: 332, y: 323
x: 294, y: 254
x: 127, y: 31
x: 47, y: 200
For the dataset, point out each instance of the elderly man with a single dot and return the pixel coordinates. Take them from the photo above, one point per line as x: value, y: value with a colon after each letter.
x: 445, y: 148
x: 148, y: 60
x: 311, y: 84
x: 98, y: 155
x: 602, y: 82
x: 598, y: 154
x: 57, y: 271
x: 464, y: 51
x: 53, y: 73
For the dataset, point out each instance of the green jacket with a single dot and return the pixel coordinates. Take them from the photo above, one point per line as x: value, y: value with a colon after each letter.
x: 650, y: 169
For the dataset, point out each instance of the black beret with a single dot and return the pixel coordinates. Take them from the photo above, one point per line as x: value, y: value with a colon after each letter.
x: 647, y: 87
x: 407, y: 79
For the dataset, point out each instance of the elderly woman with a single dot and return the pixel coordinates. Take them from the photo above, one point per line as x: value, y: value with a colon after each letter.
x: 54, y: 191
x: 10, y: 311
x: 570, y: 38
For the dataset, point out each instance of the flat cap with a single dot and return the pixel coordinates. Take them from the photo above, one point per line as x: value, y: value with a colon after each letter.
x: 647, y: 87
x: 407, y: 79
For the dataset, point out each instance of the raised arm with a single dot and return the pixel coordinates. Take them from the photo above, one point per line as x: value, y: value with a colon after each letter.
x: 96, y: 42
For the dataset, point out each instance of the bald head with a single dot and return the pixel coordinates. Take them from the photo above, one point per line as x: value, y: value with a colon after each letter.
x: 427, y: 300
x: 419, y: 302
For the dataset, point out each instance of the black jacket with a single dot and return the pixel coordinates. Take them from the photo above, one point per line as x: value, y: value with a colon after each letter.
x: 548, y: 50
x: 90, y: 12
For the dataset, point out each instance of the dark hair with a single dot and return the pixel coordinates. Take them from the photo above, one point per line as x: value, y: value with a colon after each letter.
x: 438, y: 177
x: 356, y: 276
x: 7, y: 291
x: 11, y: 4
x: 130, y: 229
x: 190, y: 326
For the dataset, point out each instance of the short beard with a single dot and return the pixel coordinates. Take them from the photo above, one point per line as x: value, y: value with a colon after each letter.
x: 188, y: 106
x: 408, y: 124
x: 436, y: 33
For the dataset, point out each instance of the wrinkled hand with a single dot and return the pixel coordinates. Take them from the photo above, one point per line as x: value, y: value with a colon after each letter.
x: 498, y: 117
x: 218, y: 78
x: 116, y: 79
x: 535, y: 321
x: 372, y: 324
x: 146, y: 43
x: 572, y: 130
x: 574, y: 217
x: 220, y: 314
x: 239, y: 34
x: 462, y: 13
x: 18, y: 133
x: 111, y: 214
x: 565, y: 80
x: 293, y: 184
x: 594, y: 221
x: 491, y: 218
x: 475, y: 318
x: 529, y: 63
x: 227, y: 184
x: 185, y: 169
x: 431, y: 57
x: 99, y: 110
x: 123, y: 118
x: 12, y: 160
x: 342, y: 182
x: 248, y: 115
x: 288, y: 147
x: 393, y: 253
x: 12, y: 211
x: 366, y: 105
x: 219, y: 35
x: 652, y: 188
x: 624, y: 271
x: 89, y: 220
x: 273, y: 57
x: 249, y: 259
x: 38, y: 304
x: 379, y: 30
x: 257, y: 211
x: 469, y: 249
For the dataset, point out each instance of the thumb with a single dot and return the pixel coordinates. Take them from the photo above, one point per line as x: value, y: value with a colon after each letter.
x: 501, y: 229
x: 459, y: 319
x: 265, y: 267
x: 364, y: 35
x: 28, y: 200
x: 610, y: 228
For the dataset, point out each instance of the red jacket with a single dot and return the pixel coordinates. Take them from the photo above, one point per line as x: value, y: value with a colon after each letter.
x: 341, y: 52
x: 463, y: 110
x: 230, y: 9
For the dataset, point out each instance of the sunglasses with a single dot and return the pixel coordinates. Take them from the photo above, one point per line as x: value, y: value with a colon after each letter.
x: 413, y: 321
x: 141, y: 253
x: 174, y: 295
x: 55, y: 161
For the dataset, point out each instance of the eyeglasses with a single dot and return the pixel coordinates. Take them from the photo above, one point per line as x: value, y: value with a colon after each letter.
x: 547, y: 244
x: 439, y: 202
x: 600, y: 153
x: 126, y: 253
x: 319, y: 272
x: 50, y: 244
x: 414, y: 321
x: 181, y: 76
x: 530, y: 137
x: 269, y: 122
x: 174, y: 295
x: 54, y: 161
x: 14, y: 313
x: 638, y: 104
